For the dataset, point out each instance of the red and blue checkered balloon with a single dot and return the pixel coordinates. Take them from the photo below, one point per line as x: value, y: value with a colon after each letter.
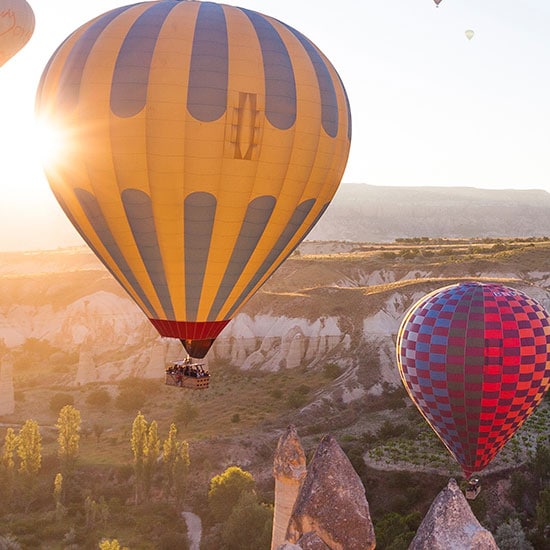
x: 475, y: 360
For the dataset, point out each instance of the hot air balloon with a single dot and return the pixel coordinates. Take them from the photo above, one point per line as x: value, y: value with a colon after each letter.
x: 437, y: 2
x: 202, y: 144
x: 16, y: 27
x: 474, y: 358
x: 469, y: 34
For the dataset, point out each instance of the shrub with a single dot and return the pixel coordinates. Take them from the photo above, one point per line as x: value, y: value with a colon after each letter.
x: 296, y: 399
x: 130, y: 400
x: 277, y: 393
x: 185, y: 413
x: 331, y: 371
x: 98, y: 398
x: 510, y: 536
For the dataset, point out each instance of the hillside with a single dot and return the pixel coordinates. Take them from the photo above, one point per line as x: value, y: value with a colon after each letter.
x: 315, y: 347
x: 361, y: 213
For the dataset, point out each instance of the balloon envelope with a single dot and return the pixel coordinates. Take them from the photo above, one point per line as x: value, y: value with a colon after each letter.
x: 469, y: 34
x: 474, y: 358
x: 203, y: 142
x: 16, y: 27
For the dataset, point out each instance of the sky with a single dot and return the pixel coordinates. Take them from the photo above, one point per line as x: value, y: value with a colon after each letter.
x: 429, y: 106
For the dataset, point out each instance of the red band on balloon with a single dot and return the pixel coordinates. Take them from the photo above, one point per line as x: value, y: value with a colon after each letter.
x: 185, y: 330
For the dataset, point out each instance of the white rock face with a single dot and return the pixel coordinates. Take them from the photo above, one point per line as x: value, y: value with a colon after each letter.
x: 387, y: 320
x: 275, y: 343
x: 367, y: 278
x: 114, y: 338
x: 86, y: 372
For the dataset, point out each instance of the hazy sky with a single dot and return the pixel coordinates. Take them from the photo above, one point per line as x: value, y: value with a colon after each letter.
x: 429, y: 106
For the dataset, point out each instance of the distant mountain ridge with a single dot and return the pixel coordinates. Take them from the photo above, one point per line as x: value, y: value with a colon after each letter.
x: 362, y: 213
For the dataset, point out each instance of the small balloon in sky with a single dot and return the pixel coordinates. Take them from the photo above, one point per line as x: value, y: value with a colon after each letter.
x: 469, y: 34
x: 437, y: 2
x: 16, y: 27
x: 204, y: 141
x: 475, y: 360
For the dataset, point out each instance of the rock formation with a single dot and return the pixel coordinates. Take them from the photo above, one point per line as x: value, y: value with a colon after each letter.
x: 331, y: 510
x: 450, y: 523
x: 7, y: 396
x: 289, y: 469
x: 86, y: 371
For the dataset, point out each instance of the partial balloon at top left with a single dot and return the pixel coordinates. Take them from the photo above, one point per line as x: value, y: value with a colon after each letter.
x: 16, y: 27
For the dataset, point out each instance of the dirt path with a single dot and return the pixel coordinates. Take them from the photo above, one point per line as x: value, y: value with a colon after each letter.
x: 194, y: 529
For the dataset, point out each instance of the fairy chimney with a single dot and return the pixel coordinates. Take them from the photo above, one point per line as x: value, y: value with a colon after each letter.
x: 289, y: 469
x: 331, y: 510
x: 7, y: 396
x: 450, y: 523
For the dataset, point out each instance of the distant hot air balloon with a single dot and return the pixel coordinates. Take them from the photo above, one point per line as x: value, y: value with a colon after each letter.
x: 469, y: 34
x: 475, y: 359
x: 437, y: 2
x: 203, y: 143
x: 16, y: 27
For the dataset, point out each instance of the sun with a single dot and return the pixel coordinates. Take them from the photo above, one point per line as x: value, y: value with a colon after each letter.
x: 50, y: 142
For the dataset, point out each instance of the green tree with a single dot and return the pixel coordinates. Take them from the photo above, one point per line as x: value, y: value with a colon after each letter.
x: 107, y: 544
x: 169, y: 454
x: 8, y: 450
x: 543, y: 510
x: 60, y: 510
x: 96, y: 512
x: 181, y: 471
x: 139, y: 448
x: 518, y: 489
x: 510, y: 536
x: 68, y: 437
x: 396, y: 531
x: 29, y: 448
x: 226, y: 489
x: 249, y: 525
x: 152, y: 454
x: 541, y: 462
x: 8, y: 463
x: 175, y: 455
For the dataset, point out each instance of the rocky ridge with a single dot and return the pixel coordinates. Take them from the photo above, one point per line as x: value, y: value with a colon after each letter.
x: 330, y: 510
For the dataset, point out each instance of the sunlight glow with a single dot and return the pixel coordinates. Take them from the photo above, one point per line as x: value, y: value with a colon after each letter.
x: 50, y: 143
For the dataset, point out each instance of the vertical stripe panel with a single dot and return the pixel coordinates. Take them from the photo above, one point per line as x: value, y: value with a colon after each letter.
x: 209, y: 66
x: 300, y: 214
x: 69, y: 82
x: 95, y: 216
x: 329, y: 103
x: 199, y: 213
x: 280, y: 84
x: 131, y: 73
x: 348, y: 107
x: 255, y: 221
x: 139, y: 212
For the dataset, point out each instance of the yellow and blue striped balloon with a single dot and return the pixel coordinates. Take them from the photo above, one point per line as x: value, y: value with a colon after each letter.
x: 204, y: 141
